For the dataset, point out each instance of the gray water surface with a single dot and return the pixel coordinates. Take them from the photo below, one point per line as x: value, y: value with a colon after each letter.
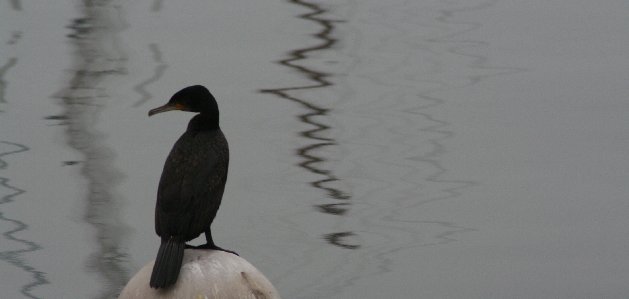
x: 379, y: 149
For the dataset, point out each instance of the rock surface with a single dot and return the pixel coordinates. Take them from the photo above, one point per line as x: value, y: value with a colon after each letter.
x: 207, y: 274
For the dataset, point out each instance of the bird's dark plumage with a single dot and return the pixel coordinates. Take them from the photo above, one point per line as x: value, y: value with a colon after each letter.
x: 192, y: 183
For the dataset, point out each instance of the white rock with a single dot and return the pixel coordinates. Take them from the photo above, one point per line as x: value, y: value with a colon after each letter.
x: 206, y: 274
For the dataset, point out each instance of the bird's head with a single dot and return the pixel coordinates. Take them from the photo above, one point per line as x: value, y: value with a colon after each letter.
x: 194, y: 98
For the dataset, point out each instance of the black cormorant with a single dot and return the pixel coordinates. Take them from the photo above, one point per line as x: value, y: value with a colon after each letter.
x: 192, y: 183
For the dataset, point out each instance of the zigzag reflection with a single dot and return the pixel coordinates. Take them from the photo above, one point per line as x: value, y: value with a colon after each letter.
x: 312, y: 160
x: 15, y: 226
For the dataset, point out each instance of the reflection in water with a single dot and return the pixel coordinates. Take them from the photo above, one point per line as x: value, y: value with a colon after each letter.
x: 15, y: 226
x: 442, y: 54
x: 61, y: 118
x: 157, y: 5
x: 478, y: 63
x: 97, y: 57
x: 312, y: 160
x: 15, y: 37
x: 16, y: 4
x: 400, y: 58
x: 3, y: 84
x: 449, y: 44
x: 157, y: 74
x: 12, y: 227
x: 336, y: 239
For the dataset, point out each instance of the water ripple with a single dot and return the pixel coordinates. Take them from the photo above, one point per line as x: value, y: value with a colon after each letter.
x: 311, y: 158
x: 160, y: 68
x: 16, y: 257
x: 403, y: 56
x: 3, y: 84
x: 98, y: 56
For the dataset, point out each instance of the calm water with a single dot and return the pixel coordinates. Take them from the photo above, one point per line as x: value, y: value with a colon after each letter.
x: 380, y: 149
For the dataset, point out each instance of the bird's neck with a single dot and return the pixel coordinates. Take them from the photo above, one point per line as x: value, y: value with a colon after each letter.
x: 203, y: 122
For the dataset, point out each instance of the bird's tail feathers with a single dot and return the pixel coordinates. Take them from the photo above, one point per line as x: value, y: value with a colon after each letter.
x: 168, y: 263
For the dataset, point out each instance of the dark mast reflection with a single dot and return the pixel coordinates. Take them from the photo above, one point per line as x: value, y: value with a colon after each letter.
x: 14, y: 226
x: 313, y: 161
x: 97, y: 56
x: 3, y: 84
x: 160, y: 68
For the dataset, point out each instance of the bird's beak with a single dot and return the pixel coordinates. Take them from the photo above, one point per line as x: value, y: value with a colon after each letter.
x: 164, y: 108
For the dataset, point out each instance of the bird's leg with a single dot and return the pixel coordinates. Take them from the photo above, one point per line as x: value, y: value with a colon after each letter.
x: 210, y: 243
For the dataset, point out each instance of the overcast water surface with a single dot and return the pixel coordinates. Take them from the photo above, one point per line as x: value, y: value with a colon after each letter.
x: 379, y: 149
